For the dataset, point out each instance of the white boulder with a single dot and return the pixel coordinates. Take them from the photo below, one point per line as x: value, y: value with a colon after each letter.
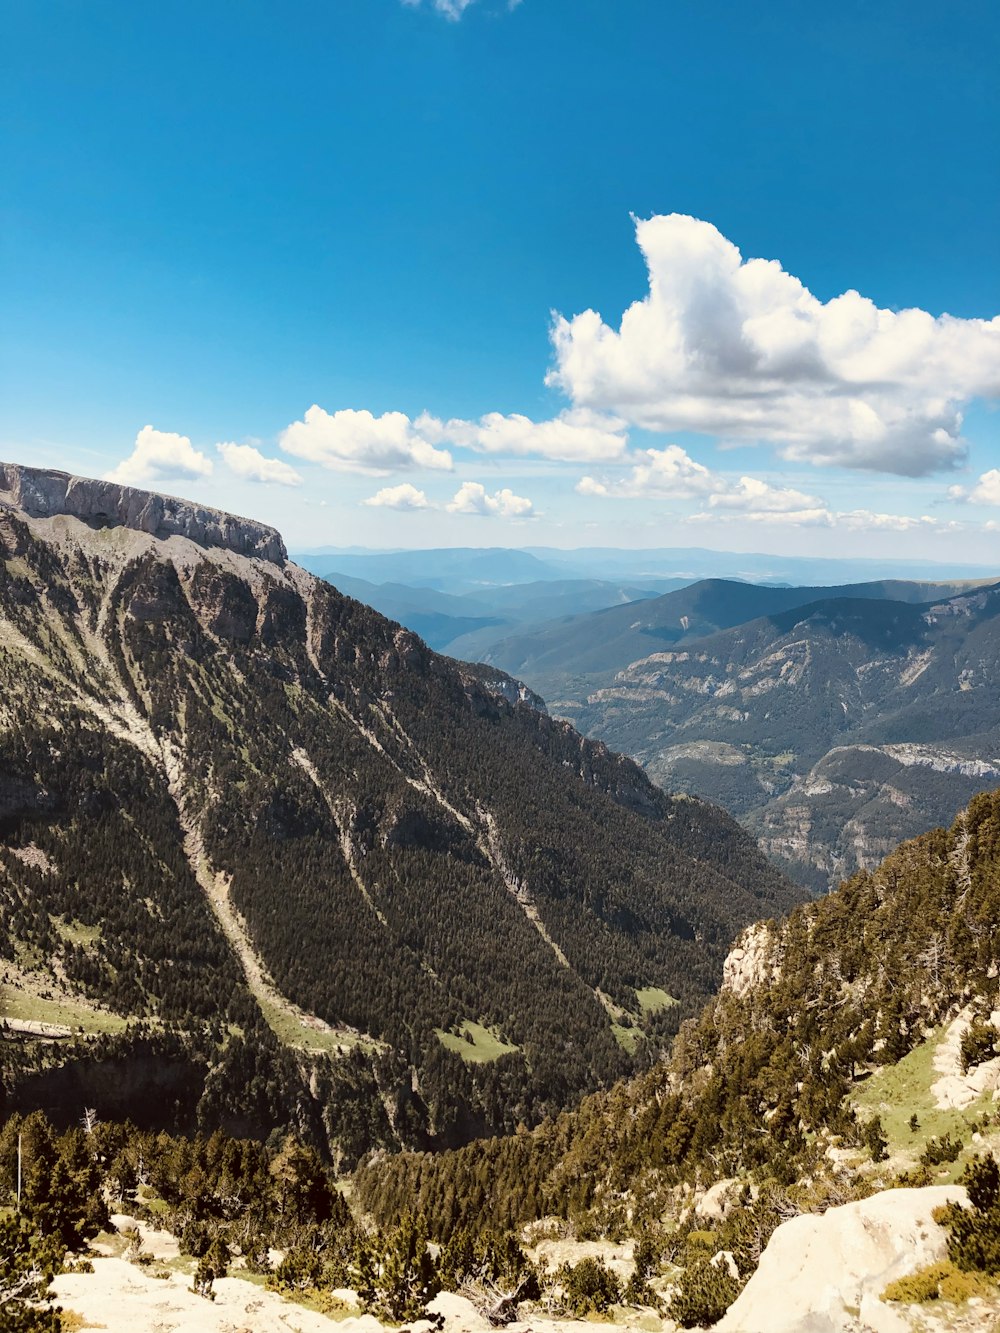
x: 825, y: 1274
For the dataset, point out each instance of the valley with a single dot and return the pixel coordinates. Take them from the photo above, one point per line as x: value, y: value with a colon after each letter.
x: 298, y: 910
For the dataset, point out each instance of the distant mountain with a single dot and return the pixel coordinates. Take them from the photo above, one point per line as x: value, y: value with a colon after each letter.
x: 468, y: 624
x: 446, y: 568
x: 572, y: 653
x: 339, y: 882
x: 833, y: 729
x: 450, y: 569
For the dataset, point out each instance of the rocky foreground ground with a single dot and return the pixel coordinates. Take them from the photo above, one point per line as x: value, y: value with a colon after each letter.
x: 819, y: 1274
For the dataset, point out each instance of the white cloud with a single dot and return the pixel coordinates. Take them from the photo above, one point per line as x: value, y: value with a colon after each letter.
x: 815, y: 517
x: 985, y: 492
x: 352, y: 441
x: 753, y: 495
x: 666, y: 474
x: 820, y: 516
x: 472, y: 498
x: 160, y: 456
x: 402, y: 497
x: 451, y: 9
x: 863, y: 520
x: 578, y: 436
x: 743, y: 350
x: 250, y: 464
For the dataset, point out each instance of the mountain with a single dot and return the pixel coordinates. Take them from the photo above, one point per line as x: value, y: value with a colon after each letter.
x: 580, y: 652
x: 833, y: 729
x: 850, y: 1050
x: 453, y: 569
x: 267, y: 859
x: 466, y: 625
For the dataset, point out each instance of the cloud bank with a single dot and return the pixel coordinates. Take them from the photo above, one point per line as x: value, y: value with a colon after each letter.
x: 742, y: 350
x: 985, y: 492
x: 451, y: 9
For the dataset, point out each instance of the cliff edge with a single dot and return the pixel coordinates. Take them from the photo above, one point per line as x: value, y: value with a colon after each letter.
x: 43, y: 493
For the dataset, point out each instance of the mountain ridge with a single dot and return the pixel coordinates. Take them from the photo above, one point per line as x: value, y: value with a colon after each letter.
x: 46, y: 493
x: 200, y: 746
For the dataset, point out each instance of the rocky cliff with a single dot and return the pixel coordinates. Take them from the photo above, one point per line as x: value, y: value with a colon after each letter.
x: 41, y: 493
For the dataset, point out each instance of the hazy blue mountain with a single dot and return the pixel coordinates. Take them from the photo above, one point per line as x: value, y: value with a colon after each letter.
x: 565, y: 658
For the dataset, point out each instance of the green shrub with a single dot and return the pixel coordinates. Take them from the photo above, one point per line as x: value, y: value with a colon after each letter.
x: 395, y: 1275
x: 978, y: 1043
x: 940, y: 1151
x: 589, y: 1287
x: 974, y: 1232
x: 704, y: 1294
x: 874, y: 1139
x: 939, y: 1282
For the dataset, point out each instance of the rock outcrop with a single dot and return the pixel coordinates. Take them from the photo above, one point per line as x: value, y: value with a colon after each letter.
x: 41, y: 493
x: 826, y: 1274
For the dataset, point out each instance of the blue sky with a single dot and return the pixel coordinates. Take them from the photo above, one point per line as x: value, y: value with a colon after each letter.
x: 336, y: 238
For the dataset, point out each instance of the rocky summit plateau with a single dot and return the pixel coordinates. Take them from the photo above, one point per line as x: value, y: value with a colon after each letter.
x: 43, y: 493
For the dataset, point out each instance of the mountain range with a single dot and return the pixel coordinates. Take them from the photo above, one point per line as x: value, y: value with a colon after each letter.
x: 338, y: 880
x: 834, y: 722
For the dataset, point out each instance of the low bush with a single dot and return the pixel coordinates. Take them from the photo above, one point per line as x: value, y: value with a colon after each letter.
x: 704, y: 1294
x: 978, y: 1044
x: 939, y: 1282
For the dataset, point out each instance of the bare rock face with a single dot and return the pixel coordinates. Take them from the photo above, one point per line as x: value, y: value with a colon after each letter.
x: 826, y: 1274
x: 41, y: 493
x: 750, y: 962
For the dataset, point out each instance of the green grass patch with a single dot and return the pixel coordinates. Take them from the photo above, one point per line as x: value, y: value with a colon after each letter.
x: 652, y: 999
x: 293, y: 1031
x: 627, y: 1038
x: 17, y: 1003
x: 900, y: 1091
x: 76, y: 932
x: 476, y: 1044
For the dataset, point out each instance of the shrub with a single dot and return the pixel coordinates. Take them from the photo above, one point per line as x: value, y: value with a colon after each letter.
x: 27, y: 1265
x: 874, y: 1139
x: 978, y: 1043
x: 589, y: 1287
x: 704, y: 1294
x: 974, y: 1232
x: 940, y: 1151
x: 939, y: 1282
x: 395, y: 1274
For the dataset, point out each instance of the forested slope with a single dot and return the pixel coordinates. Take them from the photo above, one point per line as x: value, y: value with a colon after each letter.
x: 258, y: 816
x: 765, y: 1079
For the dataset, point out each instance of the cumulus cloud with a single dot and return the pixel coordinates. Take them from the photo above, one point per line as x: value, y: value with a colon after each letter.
x: 743, y: 350
x: 750, y: 494
x: 578, y: 436
x: 985, y: 492
x: 357, y: 441
x: 665, y: 474
x: 402, y: 497
x: 472, y: 498
x: 250, y: 464
x: 161, y: 456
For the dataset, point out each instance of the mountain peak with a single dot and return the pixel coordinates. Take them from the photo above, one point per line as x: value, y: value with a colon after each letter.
x: 45, y: 493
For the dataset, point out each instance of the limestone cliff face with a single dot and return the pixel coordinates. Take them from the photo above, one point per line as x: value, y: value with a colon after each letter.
x: 41, y: 493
